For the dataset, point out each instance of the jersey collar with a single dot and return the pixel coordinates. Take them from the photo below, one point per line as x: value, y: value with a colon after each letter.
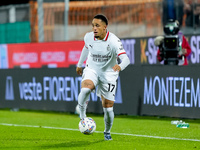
x: 105, y: 38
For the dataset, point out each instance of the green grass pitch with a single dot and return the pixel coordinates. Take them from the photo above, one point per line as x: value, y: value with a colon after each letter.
x: 33, y: 130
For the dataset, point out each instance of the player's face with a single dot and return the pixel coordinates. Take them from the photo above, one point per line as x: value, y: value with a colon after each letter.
x: 99, y: 28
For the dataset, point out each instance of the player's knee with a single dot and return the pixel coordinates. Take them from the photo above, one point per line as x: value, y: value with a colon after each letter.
x: 88, y: 84
x: 107, y: 103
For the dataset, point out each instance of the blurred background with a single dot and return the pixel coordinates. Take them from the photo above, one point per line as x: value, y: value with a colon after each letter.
x: 25, y: 21
x: 41, y: 42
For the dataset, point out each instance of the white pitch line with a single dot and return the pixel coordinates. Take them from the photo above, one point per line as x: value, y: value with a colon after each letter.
x: 127, y: 134
x: 158, y: 137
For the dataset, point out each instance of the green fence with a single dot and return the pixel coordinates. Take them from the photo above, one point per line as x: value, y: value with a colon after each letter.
x: 18, y: 32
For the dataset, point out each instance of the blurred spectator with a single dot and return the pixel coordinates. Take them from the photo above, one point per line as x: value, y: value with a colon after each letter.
x: 192, y: 11
x: 173, y: 9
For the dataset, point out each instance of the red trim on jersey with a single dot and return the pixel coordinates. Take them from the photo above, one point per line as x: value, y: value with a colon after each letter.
x: 86, y: 47
x: 105, y: 39
x: 121, y: 53
x: 107, y: 36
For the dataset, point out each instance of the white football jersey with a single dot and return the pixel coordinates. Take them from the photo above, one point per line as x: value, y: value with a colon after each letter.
x: 103, y: 53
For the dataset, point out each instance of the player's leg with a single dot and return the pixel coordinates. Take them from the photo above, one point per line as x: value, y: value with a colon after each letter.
x: 107, y: 92
x: 83, y: 97
x: 89, y: 82
x: 108, y: 116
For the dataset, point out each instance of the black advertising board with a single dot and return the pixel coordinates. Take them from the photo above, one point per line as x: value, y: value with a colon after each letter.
x: 171, y: 91
x: 51, y: 89
x: 142, y: 90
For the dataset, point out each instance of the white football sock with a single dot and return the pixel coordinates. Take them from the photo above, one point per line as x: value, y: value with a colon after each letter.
x: 83, y: 99
x: 108, y: 118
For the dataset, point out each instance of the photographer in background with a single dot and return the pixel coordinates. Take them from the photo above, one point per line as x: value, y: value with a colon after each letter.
x: 183, y: 45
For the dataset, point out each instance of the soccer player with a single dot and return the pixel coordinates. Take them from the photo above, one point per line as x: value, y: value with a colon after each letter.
x: 102, y: 48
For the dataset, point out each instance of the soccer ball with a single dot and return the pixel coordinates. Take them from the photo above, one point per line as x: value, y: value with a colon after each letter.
x: 87, y: 126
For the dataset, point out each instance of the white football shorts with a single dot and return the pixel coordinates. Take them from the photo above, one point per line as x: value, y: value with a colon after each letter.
x: 105, y: 82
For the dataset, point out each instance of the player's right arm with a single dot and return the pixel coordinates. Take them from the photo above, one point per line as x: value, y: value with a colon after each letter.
x: 83, y: 57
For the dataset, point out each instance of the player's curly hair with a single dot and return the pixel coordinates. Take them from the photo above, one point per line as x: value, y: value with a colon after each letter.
x: 102, y: 17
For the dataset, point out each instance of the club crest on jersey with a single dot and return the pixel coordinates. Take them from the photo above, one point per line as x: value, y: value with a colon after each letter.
x: 108, y: 48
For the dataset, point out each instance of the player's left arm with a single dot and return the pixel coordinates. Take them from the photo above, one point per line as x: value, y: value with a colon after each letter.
x: 125, y: 61
x: 121, y: 53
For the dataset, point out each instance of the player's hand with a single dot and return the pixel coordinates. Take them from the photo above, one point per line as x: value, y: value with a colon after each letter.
x: 79, y: 71
x: 117, y: 68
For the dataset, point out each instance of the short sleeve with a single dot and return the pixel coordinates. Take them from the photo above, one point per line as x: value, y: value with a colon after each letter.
x: 86, y: 40
x: 118, y: 46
